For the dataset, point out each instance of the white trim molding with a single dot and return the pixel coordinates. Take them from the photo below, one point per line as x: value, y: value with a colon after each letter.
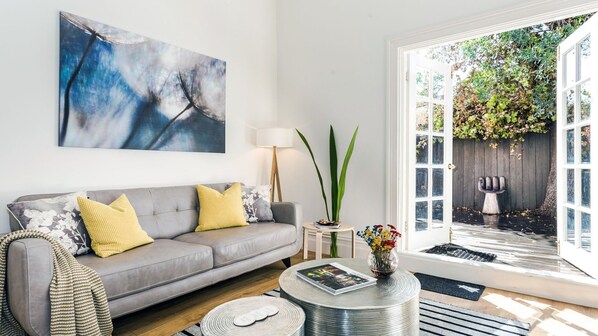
x: 550, y: 285
x: 397, y: 174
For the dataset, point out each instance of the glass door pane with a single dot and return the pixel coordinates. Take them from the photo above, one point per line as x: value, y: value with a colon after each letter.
x: 430, y: 124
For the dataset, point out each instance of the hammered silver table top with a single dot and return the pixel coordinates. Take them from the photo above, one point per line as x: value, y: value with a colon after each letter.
x: 288, y: 321
x: 400, y: 288
x: 391, y: 307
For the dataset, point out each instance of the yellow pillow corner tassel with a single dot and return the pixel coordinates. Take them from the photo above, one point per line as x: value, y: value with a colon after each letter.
x: 113, y: 228
x: 220, y: 210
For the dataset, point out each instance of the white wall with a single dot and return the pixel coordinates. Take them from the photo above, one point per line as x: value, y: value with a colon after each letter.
x: 241, y: 32
x: 332, y: 70
x: 332, y: 64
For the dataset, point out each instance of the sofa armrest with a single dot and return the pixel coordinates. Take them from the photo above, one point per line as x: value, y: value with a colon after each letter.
x: 29, y: 273
x: 288, y: 212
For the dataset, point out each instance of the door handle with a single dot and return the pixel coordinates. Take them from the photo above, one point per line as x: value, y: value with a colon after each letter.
x: 451, y: 166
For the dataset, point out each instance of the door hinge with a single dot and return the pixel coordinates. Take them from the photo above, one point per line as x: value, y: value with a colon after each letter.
x: 407, y: 76
x: 558, y: 247
x: 558, y: 53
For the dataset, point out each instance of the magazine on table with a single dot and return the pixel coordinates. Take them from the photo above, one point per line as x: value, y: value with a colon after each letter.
x: 335, y: 278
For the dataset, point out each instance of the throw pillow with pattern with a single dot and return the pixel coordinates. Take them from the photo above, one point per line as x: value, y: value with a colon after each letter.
x: 256, y: 202
x: 59, y: 217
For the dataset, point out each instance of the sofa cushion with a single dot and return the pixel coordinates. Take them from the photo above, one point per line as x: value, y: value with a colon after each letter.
x: 58, y: 216
x: 220, y: 210
x: 163, y: 212
x: 256, y: 203
x: 113, y: 227
x: 238, y: 243
x: 164, y: 261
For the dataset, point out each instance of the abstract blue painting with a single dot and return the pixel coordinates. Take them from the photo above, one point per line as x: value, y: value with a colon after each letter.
x: 122, y: 90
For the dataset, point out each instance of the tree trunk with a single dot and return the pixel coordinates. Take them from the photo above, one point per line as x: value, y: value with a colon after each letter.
x: 548, y: 207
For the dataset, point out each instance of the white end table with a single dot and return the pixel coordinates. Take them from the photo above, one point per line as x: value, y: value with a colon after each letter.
x: 311, y: 228
x: 289, y: 320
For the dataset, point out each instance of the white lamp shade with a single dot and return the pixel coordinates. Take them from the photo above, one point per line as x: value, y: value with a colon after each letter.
x: 274, y: 137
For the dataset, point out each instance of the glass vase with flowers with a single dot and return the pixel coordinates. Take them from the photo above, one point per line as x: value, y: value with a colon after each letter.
x: 383, y: 259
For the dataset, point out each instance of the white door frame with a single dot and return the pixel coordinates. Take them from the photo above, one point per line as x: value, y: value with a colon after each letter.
x: 397, y: 177
x: 571, y: 250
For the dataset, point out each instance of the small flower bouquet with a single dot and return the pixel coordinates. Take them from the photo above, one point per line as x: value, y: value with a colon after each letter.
x: 383, y: 260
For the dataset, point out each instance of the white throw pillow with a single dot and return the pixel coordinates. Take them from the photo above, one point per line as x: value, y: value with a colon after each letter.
x: 59, y: 217
x: 256, y: 202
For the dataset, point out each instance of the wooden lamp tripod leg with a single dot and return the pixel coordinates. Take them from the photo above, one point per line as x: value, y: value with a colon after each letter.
x: 275, y: 178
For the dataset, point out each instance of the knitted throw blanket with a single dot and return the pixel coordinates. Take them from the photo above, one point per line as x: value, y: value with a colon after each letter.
x: 77, y: 297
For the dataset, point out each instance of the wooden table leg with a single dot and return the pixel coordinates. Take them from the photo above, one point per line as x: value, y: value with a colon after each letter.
x: 353, y: 243
x: 305, y: 243
x: 318, y: 245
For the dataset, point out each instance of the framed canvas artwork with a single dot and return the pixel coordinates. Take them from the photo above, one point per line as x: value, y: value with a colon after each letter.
x: 122, y: 90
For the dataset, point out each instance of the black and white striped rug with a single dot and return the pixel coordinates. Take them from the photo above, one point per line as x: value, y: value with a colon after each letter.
x: 437, y: 318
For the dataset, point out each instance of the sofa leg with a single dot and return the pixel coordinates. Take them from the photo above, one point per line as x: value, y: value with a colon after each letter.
x: 287, y: 262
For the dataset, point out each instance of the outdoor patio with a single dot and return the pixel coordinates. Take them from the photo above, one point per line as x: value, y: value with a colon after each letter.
x: 528, y: 242
x: 504, y: 158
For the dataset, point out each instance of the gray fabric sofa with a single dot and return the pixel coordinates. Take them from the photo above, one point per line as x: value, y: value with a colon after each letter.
x: 179, y: 261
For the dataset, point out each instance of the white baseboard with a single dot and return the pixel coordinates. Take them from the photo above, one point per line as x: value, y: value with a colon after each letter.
x: 550, y: 285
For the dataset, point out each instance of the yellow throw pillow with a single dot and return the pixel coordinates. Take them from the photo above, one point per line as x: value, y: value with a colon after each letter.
x: 218, y: 211
x: 113, y: 228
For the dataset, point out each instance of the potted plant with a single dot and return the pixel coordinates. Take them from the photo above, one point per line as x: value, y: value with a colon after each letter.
x: 337, y: 187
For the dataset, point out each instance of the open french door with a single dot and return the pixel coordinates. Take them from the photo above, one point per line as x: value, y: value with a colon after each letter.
x: 577, y: 83
x: 430, y: 153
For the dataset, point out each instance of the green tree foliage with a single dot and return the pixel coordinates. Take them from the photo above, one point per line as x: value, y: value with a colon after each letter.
x: 506, y: 82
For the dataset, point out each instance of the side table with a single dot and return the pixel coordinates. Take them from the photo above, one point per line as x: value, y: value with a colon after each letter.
x: 391, y: 307
x: 289, y: 320
x: 311, y: 228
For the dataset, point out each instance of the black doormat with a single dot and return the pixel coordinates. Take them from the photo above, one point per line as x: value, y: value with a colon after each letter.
x: 460, y: 289
x: 458, y: 251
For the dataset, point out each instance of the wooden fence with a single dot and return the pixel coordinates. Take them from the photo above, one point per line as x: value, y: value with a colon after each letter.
x: 526, y: 174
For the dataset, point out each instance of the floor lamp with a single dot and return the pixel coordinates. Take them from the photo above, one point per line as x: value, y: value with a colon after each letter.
x: 275, y: 138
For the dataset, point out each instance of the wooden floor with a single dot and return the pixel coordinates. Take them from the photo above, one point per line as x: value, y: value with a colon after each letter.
x: 529, y: 251
x: 546, y: 317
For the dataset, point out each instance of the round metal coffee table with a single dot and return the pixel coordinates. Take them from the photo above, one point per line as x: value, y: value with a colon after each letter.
x: 288, y: 321
x: 391, y: 307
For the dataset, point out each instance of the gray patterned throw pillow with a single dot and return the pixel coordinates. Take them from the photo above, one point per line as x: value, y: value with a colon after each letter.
x: 256, y: 201
x: 59, y: 217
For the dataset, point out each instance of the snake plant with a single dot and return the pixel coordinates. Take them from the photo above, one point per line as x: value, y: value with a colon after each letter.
x: 337, y: 187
